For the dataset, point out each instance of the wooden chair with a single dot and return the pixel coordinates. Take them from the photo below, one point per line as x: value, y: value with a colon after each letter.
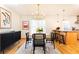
x: 57, y: 37
x: 27, y: 39
x: 60, y: 37
x: 39, y: 41
x: 53, y: 38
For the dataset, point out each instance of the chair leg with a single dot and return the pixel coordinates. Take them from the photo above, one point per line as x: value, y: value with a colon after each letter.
x: 34, y: 50
x: 63, y: 41
x: 44, y: 48
x: 25, y: 45
x: 59, y: 42
x: 54, y: 44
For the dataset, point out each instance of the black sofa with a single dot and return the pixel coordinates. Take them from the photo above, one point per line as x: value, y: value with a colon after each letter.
x: 7, y: 39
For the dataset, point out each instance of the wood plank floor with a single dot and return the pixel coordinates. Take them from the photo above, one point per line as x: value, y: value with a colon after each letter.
x: 68, y: 49
x: 64, y: 49
x: 13, y: 48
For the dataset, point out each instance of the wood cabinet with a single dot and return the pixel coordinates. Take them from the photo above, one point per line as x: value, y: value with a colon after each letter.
x: 7, y: 39
x: 71, y: 38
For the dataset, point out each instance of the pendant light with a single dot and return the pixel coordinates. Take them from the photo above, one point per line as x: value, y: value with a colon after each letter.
x: 63, y: 14
x: 38, y: 16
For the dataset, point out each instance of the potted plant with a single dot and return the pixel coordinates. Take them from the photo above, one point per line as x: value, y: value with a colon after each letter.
x: 39, y: 29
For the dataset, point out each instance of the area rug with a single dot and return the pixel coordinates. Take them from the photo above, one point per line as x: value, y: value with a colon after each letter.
x: 38, y: 50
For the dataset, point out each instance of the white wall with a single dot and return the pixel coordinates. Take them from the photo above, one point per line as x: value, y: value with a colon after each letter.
x: 51, y: 22
x: 15, y: 21
x: 51, y: 18
x: 23, y: 18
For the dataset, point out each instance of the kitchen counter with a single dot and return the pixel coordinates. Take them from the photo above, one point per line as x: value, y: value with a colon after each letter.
x: 70, y: 37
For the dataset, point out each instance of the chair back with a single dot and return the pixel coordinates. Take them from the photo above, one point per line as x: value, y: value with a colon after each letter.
x: 40, y: 36
x: 53, y: 35
x: 27, y: 36
x: 39, y: 39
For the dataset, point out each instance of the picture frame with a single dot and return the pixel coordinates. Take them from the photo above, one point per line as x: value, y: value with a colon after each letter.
x: 5, y: 18
x: 25, y: 25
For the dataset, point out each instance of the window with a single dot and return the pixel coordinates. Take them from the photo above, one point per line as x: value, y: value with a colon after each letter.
x: 34, y: 24
x: 67, y: 25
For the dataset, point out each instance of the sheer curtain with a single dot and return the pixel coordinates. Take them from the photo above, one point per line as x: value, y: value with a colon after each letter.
x: 34, y: 24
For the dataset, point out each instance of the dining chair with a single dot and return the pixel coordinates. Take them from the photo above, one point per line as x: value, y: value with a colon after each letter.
x: 53, y: 38
x: 27, y: 39
x: 61, y: 39
x: 39, y: 41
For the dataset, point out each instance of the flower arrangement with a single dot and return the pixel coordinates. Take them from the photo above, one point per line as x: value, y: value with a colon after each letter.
x: 39, y: 29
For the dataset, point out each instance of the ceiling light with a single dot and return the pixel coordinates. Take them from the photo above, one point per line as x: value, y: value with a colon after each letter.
x: 38, y: 16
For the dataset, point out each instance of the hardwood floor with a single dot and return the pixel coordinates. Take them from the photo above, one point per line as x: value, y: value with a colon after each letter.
x: 64, y: 49
x: 13, y: 48
x: 68, y: 49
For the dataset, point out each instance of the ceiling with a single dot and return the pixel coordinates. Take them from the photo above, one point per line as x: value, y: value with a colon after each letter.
x: 45, y: 9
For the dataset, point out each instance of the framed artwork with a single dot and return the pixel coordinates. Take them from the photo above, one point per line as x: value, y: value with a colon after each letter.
x: 5, y: 18
x: 25, y: 25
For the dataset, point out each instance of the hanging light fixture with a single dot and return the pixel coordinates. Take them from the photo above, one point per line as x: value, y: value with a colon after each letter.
x: 38, y: 16
x: 57, y: 15
x: 63, y: 14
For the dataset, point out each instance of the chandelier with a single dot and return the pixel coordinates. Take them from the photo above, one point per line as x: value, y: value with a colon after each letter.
x: 38, y: 16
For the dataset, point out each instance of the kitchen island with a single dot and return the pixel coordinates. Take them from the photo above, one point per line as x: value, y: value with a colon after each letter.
x: 70, y: 37
x: 71, y: 45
